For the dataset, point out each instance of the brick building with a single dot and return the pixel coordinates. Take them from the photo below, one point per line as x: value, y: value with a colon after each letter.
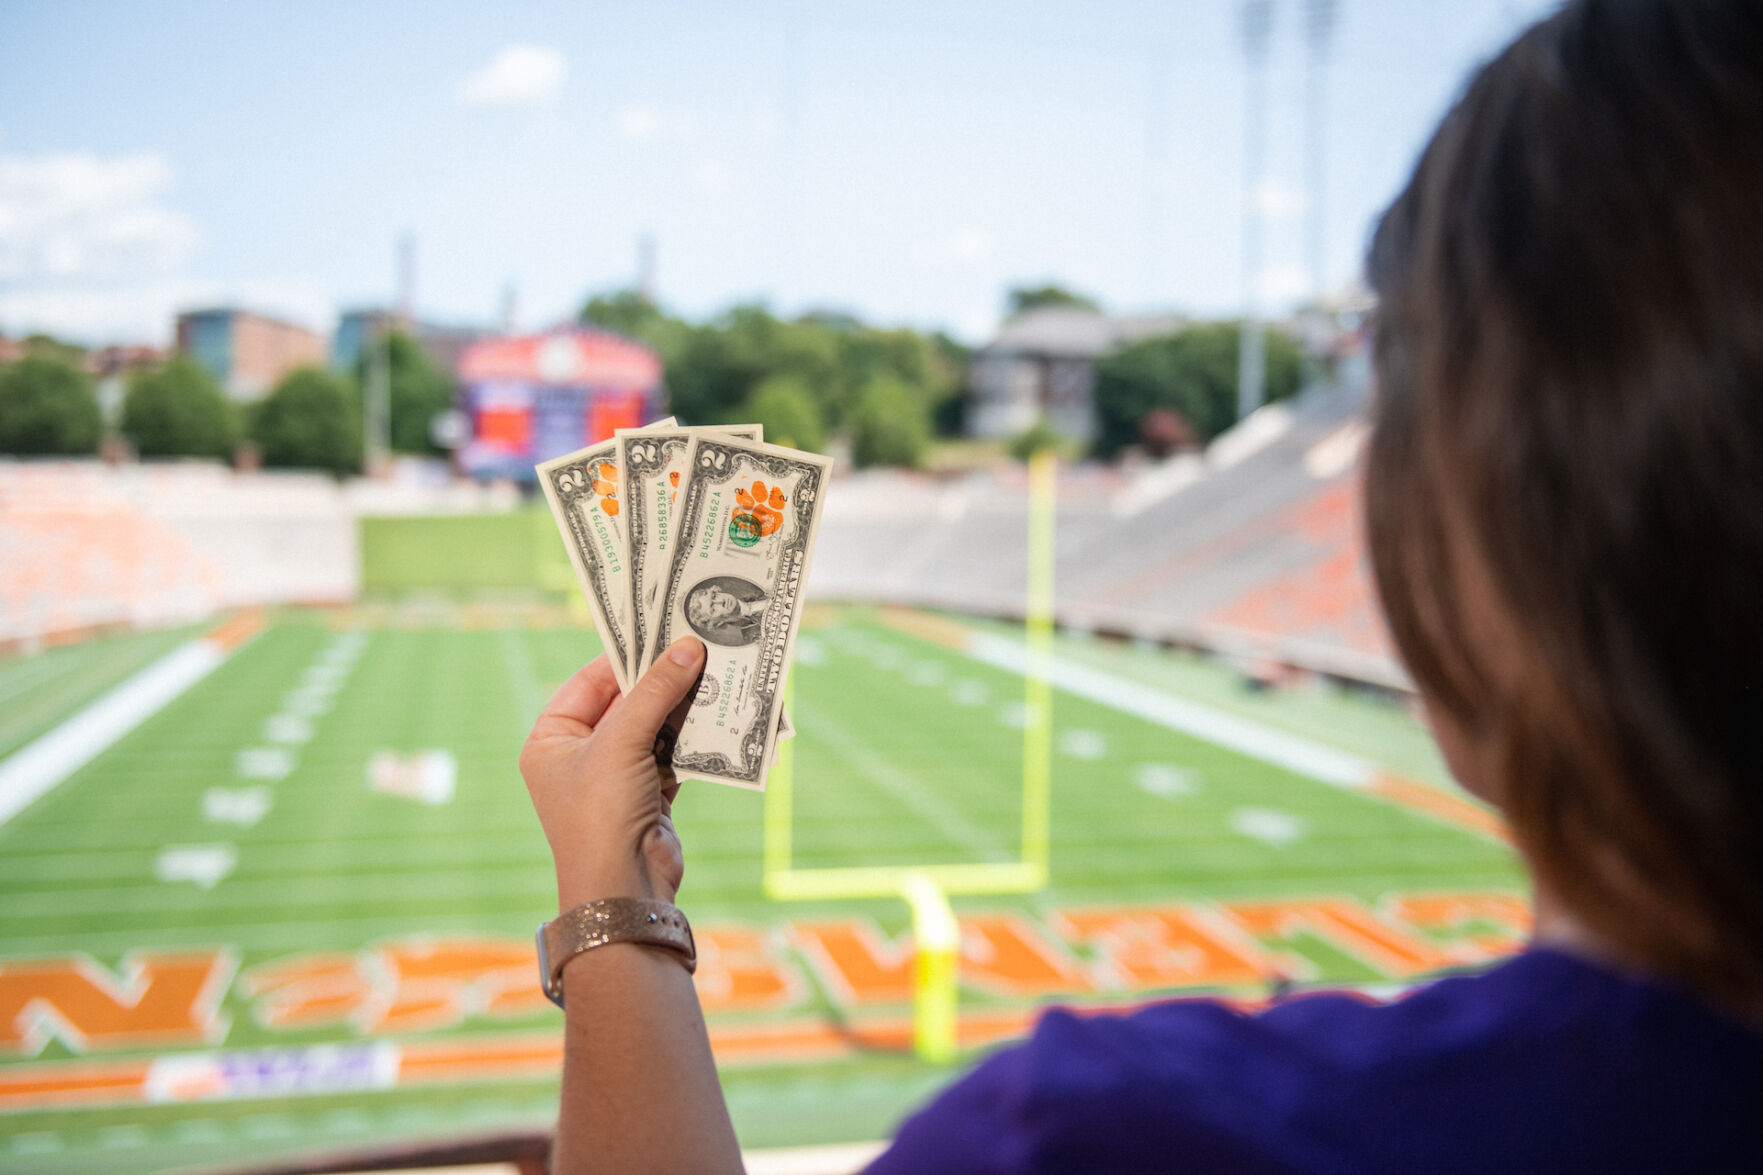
x: 247, y: 353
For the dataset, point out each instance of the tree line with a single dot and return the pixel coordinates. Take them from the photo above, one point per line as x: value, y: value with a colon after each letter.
x: 311, y: 418
x: 887, y: 394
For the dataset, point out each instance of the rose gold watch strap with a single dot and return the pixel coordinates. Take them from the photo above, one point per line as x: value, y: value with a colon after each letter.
x: 609, y: 920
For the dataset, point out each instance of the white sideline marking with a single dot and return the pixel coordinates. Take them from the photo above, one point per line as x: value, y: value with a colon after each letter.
x: 31, y: 772
x: 1226, y: 730
x: 1270, y: 826
x: 205, y: 865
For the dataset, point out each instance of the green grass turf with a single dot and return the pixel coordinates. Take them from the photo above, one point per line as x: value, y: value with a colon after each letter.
x: 38, y: 691
x: 463, y: 553
x: 905, y: 755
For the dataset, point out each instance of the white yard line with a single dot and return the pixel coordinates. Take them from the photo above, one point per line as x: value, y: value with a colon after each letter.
x: 905, y: 787
x: 33, y: 770
x: 1214, y: 726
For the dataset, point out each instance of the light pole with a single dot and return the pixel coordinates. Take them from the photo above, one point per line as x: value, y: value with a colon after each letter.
x: 1257, y: 28
x: 1319, y: 29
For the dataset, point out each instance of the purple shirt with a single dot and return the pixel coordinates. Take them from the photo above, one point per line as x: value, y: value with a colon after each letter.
x: 1546, y: 1063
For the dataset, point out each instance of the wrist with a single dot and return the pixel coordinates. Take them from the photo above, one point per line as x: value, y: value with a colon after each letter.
x: 604, y: 879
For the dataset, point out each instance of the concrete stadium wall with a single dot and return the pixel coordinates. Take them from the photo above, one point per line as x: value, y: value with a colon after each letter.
x: 88, y: 546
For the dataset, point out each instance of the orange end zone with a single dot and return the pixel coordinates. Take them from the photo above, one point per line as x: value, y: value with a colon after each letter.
x: 234, y: 631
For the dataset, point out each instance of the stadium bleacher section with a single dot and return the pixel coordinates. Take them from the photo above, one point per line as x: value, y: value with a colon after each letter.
x: 87, y: 546
x: 1252, y: 550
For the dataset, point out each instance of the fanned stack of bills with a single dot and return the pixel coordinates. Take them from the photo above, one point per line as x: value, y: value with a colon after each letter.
x: 706, y: 531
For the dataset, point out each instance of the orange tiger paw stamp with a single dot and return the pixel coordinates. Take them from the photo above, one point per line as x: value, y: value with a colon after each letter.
x: 606, y: 485
x: 760, y: 512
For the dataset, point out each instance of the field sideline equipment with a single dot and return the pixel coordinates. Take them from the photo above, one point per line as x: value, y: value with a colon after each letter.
x: 926, y: 888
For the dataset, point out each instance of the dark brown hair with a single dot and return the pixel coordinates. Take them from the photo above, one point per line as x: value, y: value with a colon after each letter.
x: 1565, y: 481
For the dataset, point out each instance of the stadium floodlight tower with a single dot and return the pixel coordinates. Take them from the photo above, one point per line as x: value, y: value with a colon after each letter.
x: 1257, y: 29
x: 1319, y: 23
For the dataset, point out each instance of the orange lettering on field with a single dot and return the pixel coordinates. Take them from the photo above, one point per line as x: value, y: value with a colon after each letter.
x: 402, y: 987
x: 1000, y: 953
x: 1346, y: 924
x: 307, y: 991
x: 1004, y: 954
x: 157, y: 998
x: 1459, y: 914
x: 1170, y: 946
x: 856, y: 961
x: 739, y: 970
x: 442, y: 982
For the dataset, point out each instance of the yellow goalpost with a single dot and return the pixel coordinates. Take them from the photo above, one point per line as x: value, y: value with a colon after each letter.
x: 926, y: 888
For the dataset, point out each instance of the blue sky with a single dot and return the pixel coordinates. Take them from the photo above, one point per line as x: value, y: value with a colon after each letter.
x: 907, y: 161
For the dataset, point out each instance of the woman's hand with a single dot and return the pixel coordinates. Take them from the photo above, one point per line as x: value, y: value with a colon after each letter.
x: 605, y: 804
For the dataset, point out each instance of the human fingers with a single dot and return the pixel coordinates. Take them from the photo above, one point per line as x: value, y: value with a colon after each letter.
x: 585, y: 697
x: 648, y: 703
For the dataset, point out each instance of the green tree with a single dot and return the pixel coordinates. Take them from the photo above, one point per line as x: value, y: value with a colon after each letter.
x: 418, y: 390
x: 1021, y: 299
x: 1194, y: 373
x: 891, y: 424
x: 176, y: 410
x: 47, y: 407
x: 785, y: 406
x: 311, y: 420
x: 719, y: 365
x: 626, y: 312
x: 42, y: 346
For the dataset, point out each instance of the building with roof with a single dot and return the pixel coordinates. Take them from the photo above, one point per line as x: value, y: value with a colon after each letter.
x: 1041, y: 365
x: 245, y: 352
x: 443, y: 345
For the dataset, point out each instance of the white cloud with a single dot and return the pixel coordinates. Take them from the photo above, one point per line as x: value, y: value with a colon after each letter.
x: 83, y: 217
x: 89, y: 251
x: 518, y: 75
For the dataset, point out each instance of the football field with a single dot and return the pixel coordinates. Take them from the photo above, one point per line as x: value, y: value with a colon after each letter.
x: 292, y: 909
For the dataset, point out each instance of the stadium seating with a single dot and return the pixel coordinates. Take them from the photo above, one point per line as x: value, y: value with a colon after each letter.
x: 1253, y: 551
x: 84, y: 545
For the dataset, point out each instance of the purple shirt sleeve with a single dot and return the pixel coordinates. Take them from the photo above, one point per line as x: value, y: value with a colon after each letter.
x: 1546, y: 1063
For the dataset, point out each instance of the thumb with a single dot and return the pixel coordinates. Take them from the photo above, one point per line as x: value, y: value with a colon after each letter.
x: 651, y: 700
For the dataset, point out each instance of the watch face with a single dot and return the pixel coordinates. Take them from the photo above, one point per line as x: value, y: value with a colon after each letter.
x: 553, y: 991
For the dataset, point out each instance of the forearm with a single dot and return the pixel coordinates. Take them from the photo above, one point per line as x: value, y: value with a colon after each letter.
x: 640, y: 1091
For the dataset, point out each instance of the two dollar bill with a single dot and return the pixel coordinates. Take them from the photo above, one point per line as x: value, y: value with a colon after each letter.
x: 701, y: 531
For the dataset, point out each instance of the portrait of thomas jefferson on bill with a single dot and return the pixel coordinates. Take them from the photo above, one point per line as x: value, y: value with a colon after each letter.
x: 726, y: 610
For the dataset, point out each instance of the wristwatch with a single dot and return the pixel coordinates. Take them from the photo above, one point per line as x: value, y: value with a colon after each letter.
x: 594, y: 924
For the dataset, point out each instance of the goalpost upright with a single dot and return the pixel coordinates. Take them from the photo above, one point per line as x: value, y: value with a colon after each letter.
x: 926, y: 888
